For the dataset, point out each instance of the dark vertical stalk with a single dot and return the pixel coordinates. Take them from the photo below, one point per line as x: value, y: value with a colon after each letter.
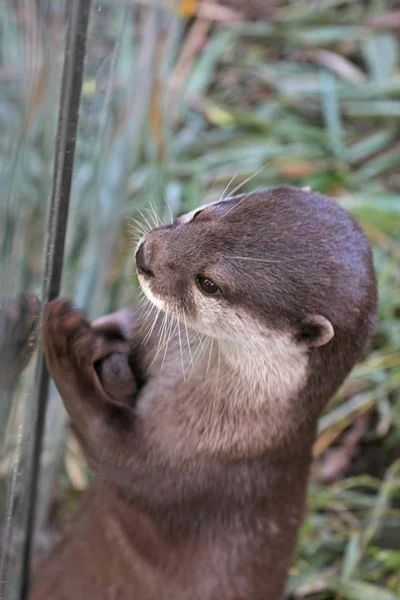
x: 71, y: 87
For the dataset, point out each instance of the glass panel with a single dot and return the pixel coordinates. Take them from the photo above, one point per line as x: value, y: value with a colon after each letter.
x: 119, y: 166
x: 120, y: 163
x: 32, y: 35
x: 117, y: 169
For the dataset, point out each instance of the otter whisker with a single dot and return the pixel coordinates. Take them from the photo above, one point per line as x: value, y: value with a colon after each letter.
x: 146, y: 322
x: 135, y: 241
x: 187, y: 341
x: 153, y: 221
x: 237, y: 203
x: 135, y: 238
x: 163, y: 347
x: 146, y: 308
x: 209, y: 356
x: 156, y: 217
x: 142, y: 302
x: 145, y: 304
x: 187, y: 337
x: 148, y: 315
x: 222, y: 196
x: 150, y: 329
x: 193, y: 354
x: 160, y: 342
x: 181, y: 350
x: 247, y: 180
x: 198, y: 351
x: 136, y: 234
x: 200, y: 340
x: 161, y: 333
x: 164, y: 333
x: 171, y: 334
x: 200, y: 345
x: 218, y: 372
x: 148, y: 336
x: 149, y: 225
x: 137, y: 225
x: 164, y: 328
x: 169, y: 330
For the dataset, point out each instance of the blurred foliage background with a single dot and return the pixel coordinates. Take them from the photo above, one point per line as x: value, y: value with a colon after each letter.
x: 182, y: 100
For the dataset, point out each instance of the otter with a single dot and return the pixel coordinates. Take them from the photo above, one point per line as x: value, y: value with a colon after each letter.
x: 197, y: 409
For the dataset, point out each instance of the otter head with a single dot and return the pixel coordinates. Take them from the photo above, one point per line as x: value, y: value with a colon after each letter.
x: 284, y: 264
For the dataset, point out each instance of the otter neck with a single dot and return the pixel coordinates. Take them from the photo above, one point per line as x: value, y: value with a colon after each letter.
x: 270, y: 368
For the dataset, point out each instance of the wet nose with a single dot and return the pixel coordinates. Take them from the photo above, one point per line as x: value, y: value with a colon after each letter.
x: 142, y: 261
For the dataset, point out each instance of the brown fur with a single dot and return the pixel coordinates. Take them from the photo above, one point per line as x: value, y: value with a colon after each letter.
x: 202, y: 478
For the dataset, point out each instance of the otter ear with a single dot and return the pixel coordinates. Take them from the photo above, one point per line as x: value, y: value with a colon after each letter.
x: 316, y: 330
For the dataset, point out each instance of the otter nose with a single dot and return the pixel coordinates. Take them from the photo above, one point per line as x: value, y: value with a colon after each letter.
x: 141, y: 261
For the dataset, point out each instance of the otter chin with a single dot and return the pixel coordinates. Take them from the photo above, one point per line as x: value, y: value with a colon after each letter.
x: 198, y: 409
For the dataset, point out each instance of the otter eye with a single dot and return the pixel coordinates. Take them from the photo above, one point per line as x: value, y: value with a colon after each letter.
x: 206, y: 285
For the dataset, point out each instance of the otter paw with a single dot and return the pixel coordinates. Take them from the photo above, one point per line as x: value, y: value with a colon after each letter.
x: 70, y: 345
x: 116, y: 377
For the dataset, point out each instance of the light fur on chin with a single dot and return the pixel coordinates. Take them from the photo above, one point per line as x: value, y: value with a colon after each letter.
x: 156, y: 300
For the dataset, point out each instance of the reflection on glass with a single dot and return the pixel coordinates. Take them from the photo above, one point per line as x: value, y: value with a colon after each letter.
x: 130, y: 105
x: 31, y: 47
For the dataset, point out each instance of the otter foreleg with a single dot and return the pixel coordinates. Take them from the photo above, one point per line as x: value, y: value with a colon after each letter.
x: 92, y: 375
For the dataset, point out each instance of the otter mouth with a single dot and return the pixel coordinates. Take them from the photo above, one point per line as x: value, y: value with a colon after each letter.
x: 146, y: 279
x: 157, y: 301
